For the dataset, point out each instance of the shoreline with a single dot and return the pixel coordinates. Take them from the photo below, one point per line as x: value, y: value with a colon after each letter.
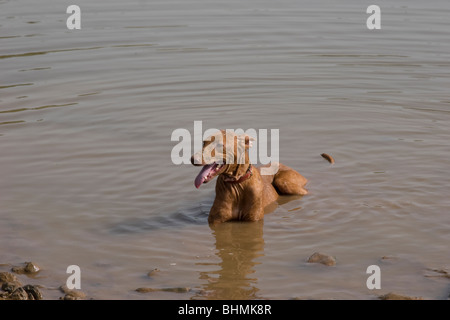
x: 15, y: 285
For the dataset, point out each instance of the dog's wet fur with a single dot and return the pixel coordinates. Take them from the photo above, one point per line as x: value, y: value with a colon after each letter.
x: 242, y: 192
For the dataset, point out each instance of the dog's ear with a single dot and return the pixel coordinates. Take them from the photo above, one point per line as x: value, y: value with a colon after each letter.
x: 249, y: 141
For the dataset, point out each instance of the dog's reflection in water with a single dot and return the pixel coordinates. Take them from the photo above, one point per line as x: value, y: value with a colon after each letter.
x: 238, y: 245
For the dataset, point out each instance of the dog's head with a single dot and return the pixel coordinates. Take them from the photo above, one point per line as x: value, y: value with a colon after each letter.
x: 222, y: 153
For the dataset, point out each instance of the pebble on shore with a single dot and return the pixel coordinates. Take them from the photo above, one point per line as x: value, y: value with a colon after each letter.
x: 14, y: 290
x: 396, y: 296
x: 29, y: 268
x: 72, y: 294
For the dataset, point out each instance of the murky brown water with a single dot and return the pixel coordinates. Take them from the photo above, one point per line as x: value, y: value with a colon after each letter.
x: 86, y: 118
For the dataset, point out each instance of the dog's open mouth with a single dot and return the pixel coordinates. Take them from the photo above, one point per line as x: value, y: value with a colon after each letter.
x: 207, y: 173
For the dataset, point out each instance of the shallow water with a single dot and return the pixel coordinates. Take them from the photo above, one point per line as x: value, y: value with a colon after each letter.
x: 86, y: 118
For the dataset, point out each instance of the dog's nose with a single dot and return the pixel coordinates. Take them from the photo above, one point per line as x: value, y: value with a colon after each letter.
x: 195, y: 160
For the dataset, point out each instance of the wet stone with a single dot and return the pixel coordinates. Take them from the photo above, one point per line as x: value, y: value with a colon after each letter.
x: 19, y: 294
x: 74, y: 295
x: 29, y: 268
x: 153, y: 272
x: 7, y: 277
x: 10, y: 286
x: 33, y: 292
x: 71, y: 294
x: 27, y: 292
x: 322, y: 258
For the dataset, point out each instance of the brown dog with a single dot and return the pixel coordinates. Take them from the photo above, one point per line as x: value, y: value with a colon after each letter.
x: 242, y: 192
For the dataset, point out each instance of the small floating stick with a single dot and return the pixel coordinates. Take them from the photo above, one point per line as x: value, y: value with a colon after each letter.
x: 328, y: 157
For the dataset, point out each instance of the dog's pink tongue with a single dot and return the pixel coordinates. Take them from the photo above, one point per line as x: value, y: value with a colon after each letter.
x: 203, y: 174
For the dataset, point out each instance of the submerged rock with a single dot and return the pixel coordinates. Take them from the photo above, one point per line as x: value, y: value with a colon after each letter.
x: 322, y: 258
x: 389, y: 258
x: 437, y: 273
x: 152, y: 272
x: 176, y: 290
x: 145, y: 290
x: 396, y: 296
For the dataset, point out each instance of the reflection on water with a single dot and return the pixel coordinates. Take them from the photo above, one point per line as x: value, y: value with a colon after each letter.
x: 238, y: 246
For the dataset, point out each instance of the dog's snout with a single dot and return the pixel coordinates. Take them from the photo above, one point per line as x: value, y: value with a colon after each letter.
x: 196, y: 160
